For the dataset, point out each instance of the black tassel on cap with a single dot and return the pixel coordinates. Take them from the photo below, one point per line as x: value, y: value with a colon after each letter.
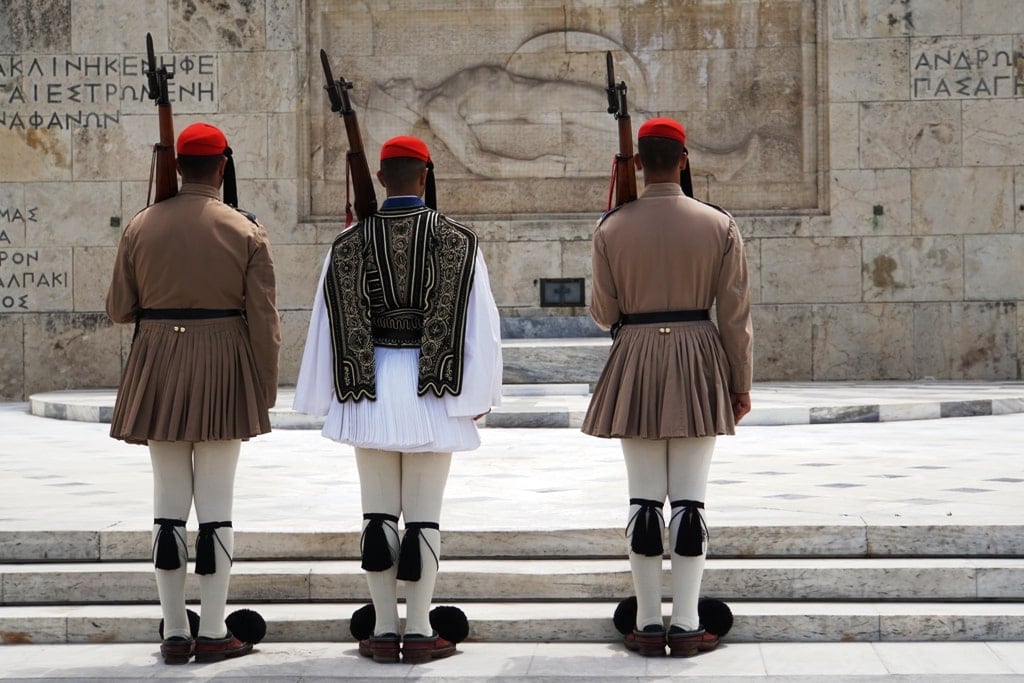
x: 410, y: 561
x: 376, y: 554
x: 430, y: 195
x: 206, y: 553
x: 685, y: 181
x: 165, y: 551
x: 692, y: 530
x: 230, y: 187
x: 647, y: 524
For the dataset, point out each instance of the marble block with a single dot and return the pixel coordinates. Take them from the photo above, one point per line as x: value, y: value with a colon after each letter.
x: 34, y: 546
x: 561, y: 361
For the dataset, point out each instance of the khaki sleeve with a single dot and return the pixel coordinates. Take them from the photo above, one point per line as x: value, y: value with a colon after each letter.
x: 123, y: 293
x: 261, y: 313
x: 604, y: 299
x: 733, y: 308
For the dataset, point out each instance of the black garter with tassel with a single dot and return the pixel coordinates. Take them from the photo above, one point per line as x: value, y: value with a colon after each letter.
x: 376, y: 554
x: 206, y: 555
x: 410, y: 561
x: 692, y: 529
x: 165, y: 546
x: 647, y: 524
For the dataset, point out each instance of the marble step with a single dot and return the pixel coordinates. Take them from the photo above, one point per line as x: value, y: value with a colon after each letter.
x: 729, y: 539
x: 550, y: 622
x: 965, y: 579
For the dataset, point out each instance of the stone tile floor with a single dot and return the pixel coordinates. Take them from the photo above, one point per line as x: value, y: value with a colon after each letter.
x: 57, y: 474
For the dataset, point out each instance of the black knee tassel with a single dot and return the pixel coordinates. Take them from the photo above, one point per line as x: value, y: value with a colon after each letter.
x: 647, y: 523
x: 206, y: 555
x: 692, y: 529
x: 376, y: 554
x: 410, y: 562
x: 165, y: 550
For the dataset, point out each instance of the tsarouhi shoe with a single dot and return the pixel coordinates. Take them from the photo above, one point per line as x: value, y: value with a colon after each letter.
x: 417, y: 649
x: 177, y: 650
x: 682, y: 643
x: 649, y: 642
x: 383, y: 648
x: 216, y: 649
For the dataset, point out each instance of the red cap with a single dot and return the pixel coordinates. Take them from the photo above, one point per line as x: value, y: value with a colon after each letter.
x: 663, y: 128
x: 405, y: 146
x: 202, y: 140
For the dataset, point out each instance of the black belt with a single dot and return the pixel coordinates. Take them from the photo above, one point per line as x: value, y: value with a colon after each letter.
x: 187, y: 313
x: 660, y: 317
x: 664, y: 317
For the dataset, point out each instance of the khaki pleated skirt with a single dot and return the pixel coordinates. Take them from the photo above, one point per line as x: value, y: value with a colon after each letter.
x: 199, y: 384
x: 663, y: 385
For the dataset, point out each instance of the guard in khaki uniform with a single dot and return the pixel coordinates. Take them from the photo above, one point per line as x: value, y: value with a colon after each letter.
x: 673, y: 380
x: 196, y: 278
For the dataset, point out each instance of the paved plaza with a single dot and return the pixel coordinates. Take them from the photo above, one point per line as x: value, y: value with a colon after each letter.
x: 68, y: 475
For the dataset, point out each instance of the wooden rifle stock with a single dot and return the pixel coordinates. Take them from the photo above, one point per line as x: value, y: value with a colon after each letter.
x: 624, y: 173
x: 163, y: 172
x: 362, y: 182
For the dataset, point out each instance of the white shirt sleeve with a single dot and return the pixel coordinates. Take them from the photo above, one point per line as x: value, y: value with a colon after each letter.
x: 314, y: 389
x: 482, y: 367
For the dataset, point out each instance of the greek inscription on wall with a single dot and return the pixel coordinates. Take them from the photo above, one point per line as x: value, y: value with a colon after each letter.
x: 92, y: 91
x: 23, y: 280
x: 984, y: 70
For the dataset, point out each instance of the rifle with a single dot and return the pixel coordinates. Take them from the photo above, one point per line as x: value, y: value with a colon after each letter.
x: 623, y: 180
x: 163, y: 166
x: 362, y: 183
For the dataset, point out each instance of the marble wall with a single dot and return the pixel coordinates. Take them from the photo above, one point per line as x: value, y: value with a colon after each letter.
x: 865, y: 146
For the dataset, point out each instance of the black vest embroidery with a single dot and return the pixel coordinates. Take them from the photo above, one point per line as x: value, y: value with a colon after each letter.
x: 400, y: 278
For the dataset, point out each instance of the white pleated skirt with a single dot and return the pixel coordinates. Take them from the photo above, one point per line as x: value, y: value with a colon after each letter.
x: 399, y: 420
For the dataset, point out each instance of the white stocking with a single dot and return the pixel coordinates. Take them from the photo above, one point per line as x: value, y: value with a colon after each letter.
x: 689, y: 461
x: 172, y: 499
x: 647, y: 473
x: 423, y: 480
x: 380, y: 486
x: 215, y: 465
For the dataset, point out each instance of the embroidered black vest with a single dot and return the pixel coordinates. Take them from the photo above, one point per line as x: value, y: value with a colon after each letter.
x: 400, y: 278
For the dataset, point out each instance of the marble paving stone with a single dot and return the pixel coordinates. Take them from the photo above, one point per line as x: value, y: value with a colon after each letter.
x: 1010, y: 653
x: 940, y: 658
x: 829, y: 659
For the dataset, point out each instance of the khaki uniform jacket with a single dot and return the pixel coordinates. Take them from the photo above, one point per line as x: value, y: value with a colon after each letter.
x: 669, y: 252
x: 194, y: 251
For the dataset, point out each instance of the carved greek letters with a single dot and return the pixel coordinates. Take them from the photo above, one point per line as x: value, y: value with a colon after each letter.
x: 966, y: 73
x: 91, y: 91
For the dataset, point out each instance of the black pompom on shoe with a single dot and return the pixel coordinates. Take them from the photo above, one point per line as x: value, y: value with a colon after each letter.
x: 450, y: 623
x: 246, y: 625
